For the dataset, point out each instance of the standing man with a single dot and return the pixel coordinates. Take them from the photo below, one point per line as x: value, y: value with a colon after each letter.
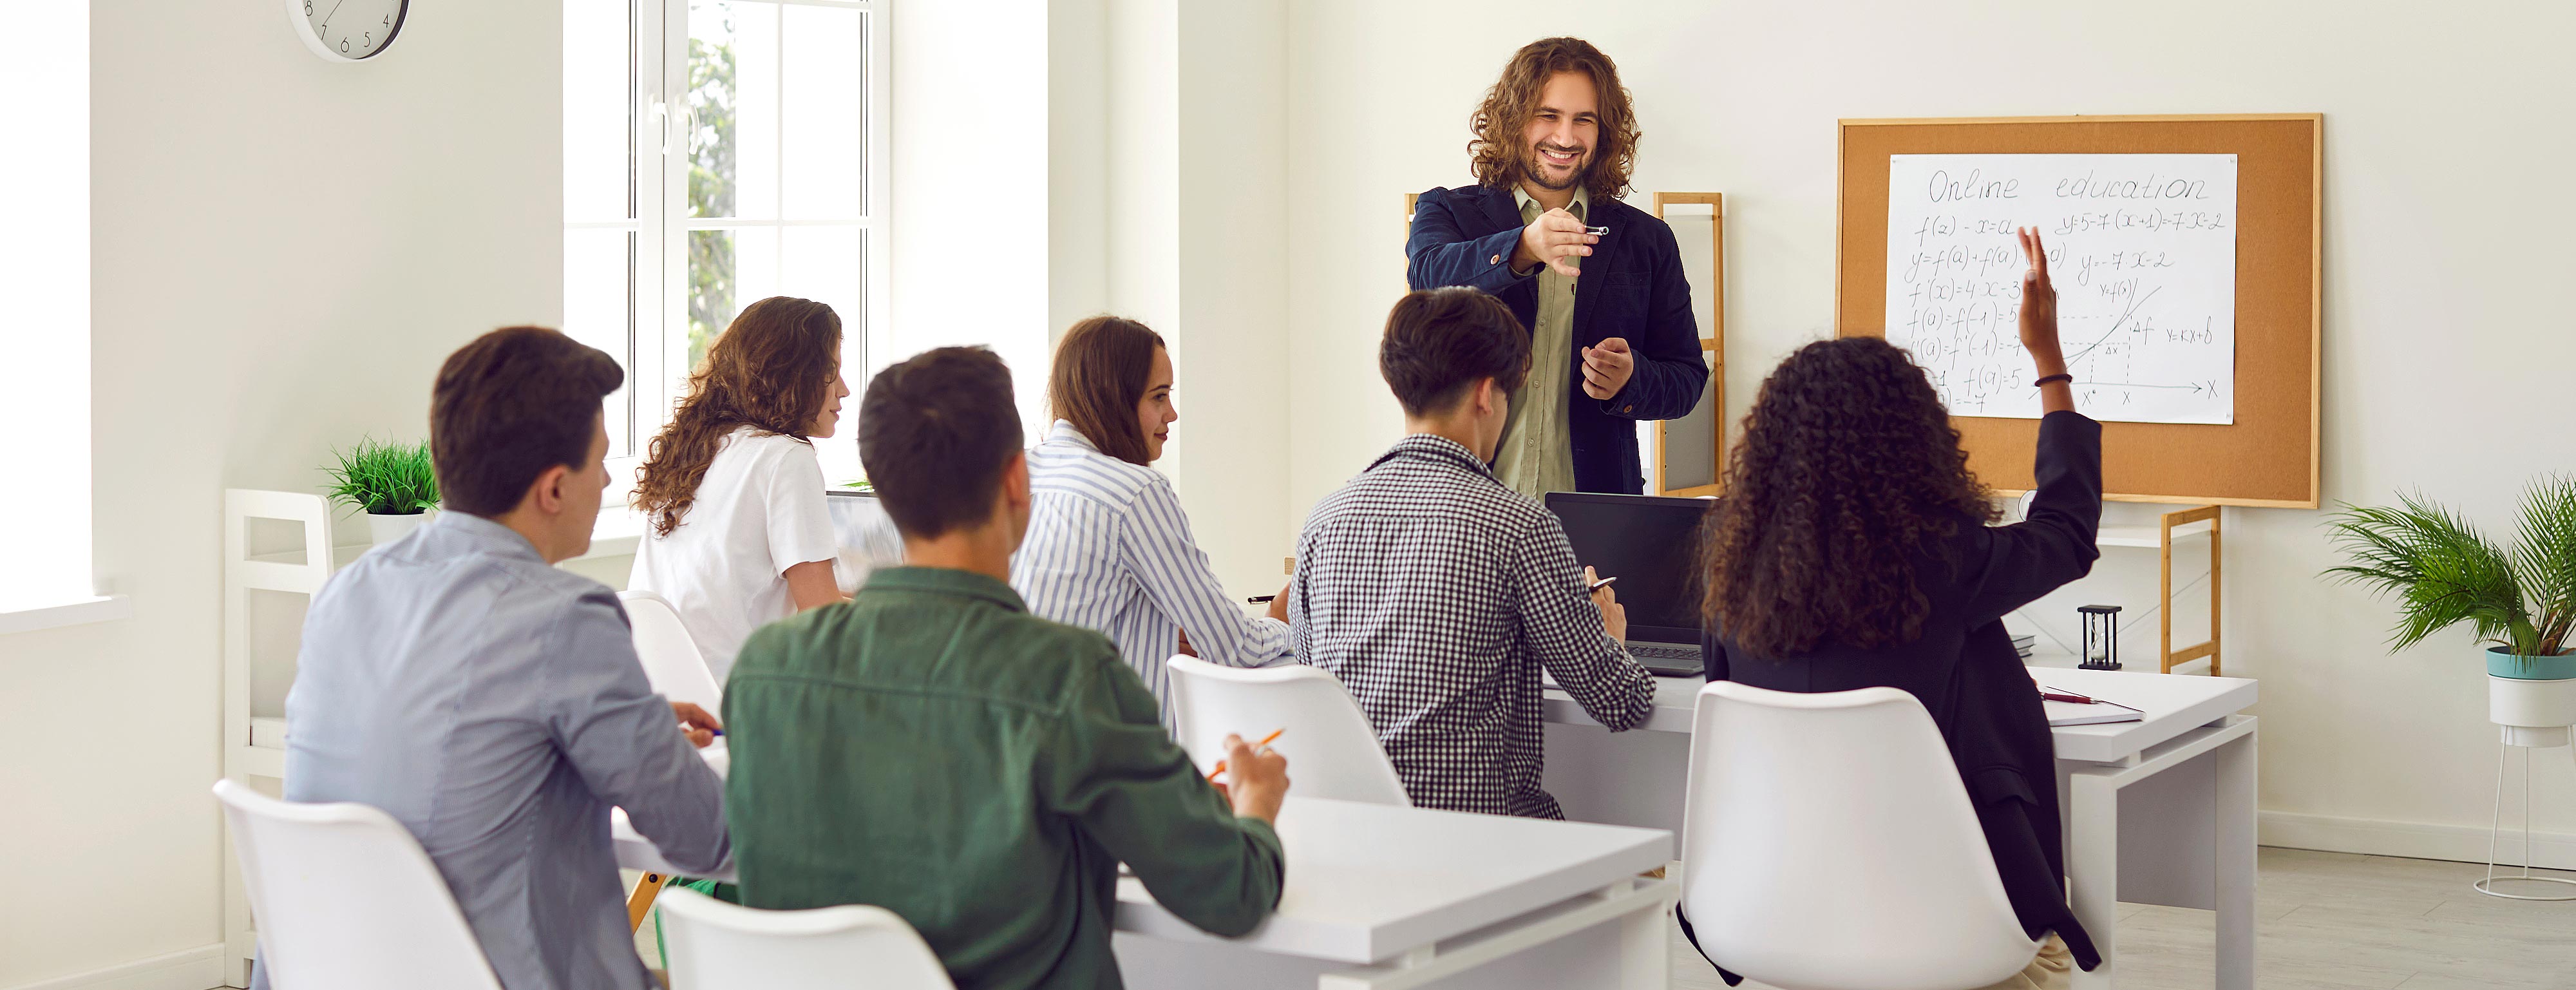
x: 1554, y: 143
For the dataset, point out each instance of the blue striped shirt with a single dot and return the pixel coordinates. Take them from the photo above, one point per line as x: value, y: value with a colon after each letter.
x: 1109, y: 549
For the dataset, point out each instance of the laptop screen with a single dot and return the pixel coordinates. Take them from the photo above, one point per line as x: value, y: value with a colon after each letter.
x: 1652, y: 545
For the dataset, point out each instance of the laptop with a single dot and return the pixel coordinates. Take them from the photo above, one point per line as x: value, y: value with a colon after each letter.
x: 1651, y: 544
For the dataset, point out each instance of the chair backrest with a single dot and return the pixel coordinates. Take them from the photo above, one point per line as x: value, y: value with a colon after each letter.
x: 1332, y: 750
x: 672, y: 661
x: 718, y: 946
x: 1828, y: 843
x: 343, y: 896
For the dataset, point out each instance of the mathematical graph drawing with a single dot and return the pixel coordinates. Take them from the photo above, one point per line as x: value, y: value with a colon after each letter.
x: 2142, y: 249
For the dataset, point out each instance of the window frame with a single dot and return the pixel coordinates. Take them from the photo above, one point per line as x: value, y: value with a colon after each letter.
x: 658, y: 156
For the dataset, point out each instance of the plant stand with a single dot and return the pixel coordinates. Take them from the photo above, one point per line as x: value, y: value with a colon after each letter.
x: 2529, y: 716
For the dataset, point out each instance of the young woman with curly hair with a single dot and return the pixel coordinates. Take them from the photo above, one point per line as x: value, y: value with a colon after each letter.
x: 1853, y: 550
x: 736, y: 534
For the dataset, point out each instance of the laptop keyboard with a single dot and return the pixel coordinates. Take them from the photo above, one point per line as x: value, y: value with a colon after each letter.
x: 1690, y: 653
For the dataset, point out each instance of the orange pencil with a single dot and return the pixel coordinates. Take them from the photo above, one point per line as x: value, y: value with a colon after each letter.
x: 1265, y: 740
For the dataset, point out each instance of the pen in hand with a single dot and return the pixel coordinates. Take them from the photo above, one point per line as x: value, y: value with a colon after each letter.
x: 1265, y: 741
x: 1600, y: 584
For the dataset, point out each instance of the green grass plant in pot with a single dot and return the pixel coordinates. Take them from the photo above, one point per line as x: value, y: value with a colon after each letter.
x: 2520, y: 601
x: 394, y: 484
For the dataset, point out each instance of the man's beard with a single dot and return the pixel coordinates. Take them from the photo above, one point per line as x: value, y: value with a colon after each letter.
x: 1534, y: 172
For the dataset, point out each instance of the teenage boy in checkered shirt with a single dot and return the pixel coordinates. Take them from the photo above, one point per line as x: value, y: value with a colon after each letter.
x: 1437, y: 595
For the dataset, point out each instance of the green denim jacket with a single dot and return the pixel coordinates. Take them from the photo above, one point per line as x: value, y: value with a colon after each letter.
x: 933, y: 749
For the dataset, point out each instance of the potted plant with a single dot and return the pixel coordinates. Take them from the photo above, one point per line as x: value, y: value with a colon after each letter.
x: 393, y: 484
x: 2522, y: 602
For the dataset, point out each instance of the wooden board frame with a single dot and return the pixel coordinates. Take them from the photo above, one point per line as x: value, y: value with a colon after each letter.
x: 2142, y: 462
x: 1712, y: 347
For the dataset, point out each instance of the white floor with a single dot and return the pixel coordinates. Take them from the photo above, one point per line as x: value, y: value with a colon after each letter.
x: 2325, y: 920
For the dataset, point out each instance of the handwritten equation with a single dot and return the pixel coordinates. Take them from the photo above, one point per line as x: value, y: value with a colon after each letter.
x: 2142, y: 249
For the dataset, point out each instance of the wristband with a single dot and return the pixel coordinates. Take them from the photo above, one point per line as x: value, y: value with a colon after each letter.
x: 2058, y: 377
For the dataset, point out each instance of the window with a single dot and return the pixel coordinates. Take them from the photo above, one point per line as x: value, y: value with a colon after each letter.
x: 45, y: 380
x: 717, y: 152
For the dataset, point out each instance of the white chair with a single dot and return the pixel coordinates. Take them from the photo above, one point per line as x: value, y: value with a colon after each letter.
x: 1827, y: 844
x: 718, y: 946
x: 1332, y: 750
x: 344, y: 897
x: 672, y: 661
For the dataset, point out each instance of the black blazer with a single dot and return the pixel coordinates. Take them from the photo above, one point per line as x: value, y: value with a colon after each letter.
x: 1964, y: 670
x: 1632, y: 287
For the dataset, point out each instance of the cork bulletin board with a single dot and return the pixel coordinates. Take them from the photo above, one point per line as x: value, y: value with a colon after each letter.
x: 2268, y: 455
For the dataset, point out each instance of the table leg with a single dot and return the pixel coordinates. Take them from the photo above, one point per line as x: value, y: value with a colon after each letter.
x: 1646, y: 950
x: 2234, y: 805
x: 2093, y: 869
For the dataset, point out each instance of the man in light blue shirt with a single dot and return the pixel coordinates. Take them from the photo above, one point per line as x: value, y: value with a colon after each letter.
x: 492, y: 703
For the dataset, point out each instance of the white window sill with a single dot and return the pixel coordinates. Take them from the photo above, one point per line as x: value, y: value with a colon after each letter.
x: 73, y: 612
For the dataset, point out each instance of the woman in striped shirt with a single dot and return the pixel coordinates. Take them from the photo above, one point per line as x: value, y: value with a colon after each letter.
x: 1108, y: 547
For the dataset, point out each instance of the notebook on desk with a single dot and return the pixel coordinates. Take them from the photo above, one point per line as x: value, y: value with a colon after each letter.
x: 2065, y: 713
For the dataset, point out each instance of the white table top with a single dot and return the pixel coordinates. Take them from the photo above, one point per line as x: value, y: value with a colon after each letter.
x: 2174, y: 703
x: 1367, y: 882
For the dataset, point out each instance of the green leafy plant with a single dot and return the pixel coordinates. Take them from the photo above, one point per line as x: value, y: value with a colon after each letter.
x: 862, y: 484
x: 2445, y: 572
x: 384, y: 479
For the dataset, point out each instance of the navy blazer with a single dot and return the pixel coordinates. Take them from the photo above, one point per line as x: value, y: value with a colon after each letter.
x: 1632, y: 287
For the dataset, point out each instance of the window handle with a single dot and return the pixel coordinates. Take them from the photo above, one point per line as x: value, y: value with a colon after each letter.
x: 661, y: 114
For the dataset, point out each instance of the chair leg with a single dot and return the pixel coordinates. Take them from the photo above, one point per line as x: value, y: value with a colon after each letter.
x: 639, y: 902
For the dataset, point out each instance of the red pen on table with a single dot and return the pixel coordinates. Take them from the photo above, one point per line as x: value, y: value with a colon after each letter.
x: 2055, y: 694
x: 1265, y: 740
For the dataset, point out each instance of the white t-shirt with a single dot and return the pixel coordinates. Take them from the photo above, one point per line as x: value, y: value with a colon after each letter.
x: 758, y: 512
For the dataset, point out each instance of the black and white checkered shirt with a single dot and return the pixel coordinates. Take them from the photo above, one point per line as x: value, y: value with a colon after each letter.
x: 1436, y: 595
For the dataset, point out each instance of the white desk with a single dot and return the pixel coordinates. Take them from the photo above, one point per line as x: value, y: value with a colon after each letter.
x: 1399, y: 898
x: 2184, y: 837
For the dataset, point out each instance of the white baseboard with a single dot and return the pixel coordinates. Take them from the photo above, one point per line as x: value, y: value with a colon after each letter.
x: 2417, y: 840
x: 192, y: 969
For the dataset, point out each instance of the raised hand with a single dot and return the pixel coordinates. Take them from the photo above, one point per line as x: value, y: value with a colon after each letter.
x: 2039, y: 306
x: 1554, y: 237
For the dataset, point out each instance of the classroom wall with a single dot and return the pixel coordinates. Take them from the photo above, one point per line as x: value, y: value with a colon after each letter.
x: 2443, y: 152
x: 283, y: 249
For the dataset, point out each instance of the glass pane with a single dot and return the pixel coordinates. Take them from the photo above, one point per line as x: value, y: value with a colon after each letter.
x: 830, y: 265
x: 824, y: 141
x: 599, y: 296
x: 755, y: 264
x: 731, y: 103
x: 711, y: 291
x: 599, y: 109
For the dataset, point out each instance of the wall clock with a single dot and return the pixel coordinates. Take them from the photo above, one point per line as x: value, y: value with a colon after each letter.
x: 347, y: 30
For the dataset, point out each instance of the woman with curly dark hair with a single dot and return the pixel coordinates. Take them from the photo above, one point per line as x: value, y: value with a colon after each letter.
x: 1852, y: 550
x: 735, y: 532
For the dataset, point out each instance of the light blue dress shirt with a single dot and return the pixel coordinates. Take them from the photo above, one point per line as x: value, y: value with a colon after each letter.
x: 493, y: 705
x: 1108, y: 549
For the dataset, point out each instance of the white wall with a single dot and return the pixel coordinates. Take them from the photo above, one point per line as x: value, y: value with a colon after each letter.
x: 2443, y: 347
x: 283, y: 250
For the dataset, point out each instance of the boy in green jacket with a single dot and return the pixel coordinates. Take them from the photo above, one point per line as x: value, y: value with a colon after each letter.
x: 931, y: 748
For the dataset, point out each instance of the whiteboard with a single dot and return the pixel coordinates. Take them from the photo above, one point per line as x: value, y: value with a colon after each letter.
x: 2142, y: 249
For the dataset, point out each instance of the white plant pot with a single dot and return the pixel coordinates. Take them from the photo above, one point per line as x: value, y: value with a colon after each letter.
x: 2533, y: 713
x: 386, y: 529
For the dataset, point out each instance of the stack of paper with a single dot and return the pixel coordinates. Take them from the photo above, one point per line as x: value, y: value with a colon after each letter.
x: 2022, y: 643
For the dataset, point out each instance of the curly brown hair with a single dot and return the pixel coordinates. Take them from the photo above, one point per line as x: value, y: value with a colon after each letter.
x: 1500, y: 153
x: 772, y: 370
x: 1847, y: 469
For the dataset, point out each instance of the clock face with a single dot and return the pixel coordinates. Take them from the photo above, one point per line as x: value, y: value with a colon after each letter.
x: 347, y: 30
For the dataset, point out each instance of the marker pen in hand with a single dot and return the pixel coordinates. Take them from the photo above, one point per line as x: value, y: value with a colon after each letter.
x: 1600, y: 584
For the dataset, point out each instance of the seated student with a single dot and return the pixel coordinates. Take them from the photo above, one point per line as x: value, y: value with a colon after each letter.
x: 1852, y: 550
x: 737, y: 534
x: 492, y: 702
x: 932, y: 748
x: 1108, y: 546
x: 1437, y: 595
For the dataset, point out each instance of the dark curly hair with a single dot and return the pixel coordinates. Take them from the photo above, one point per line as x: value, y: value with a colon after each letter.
x: 1499, y: 151
x: 1847, y: 467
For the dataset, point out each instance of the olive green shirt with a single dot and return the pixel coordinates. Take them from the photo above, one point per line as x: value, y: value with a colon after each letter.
x: 1535, y: 456
x: 931, y: 748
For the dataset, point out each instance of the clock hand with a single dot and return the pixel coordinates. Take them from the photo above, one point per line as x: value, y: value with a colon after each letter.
x: 326, y: 18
